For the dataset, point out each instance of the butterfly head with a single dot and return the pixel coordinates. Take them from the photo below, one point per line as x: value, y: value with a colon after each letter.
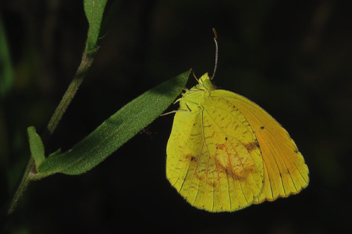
x: 205, y: 83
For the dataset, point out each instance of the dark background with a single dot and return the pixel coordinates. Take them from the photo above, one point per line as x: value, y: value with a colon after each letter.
x: 293, y: 58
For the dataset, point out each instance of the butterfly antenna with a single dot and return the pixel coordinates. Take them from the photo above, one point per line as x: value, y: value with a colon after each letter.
x: 216, y: 52
x: 195, y: 77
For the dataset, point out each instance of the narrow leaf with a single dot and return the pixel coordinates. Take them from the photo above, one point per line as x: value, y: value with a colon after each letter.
x: 116, y: 130
x: 36, y: 146
x: 94, y: 10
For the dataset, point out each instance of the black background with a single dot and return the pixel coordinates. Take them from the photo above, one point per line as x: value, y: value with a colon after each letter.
x: 293, y: 58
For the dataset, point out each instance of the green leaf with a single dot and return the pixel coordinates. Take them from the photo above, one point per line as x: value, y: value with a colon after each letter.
x: 94, y: 10
x: 6, y: 80
x: 36, y: 146
x: 115, y: 131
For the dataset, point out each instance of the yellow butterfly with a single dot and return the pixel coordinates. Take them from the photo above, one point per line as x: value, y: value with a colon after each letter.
x: 226, y: 153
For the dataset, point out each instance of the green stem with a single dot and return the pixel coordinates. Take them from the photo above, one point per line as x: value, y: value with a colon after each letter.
x: 86, y: 62
x: 10, y: 206
x: 30, y: 171
x: 22, y: 185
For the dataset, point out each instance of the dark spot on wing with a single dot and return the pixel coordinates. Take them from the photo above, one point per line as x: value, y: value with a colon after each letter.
x: 190, y: 157
x: 251, y: 146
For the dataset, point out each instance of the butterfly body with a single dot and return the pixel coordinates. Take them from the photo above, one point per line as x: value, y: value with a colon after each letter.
x: 226, y: 153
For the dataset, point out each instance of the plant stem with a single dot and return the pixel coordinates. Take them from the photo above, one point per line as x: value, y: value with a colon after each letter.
x: 30, y: 171
x: 86, y: 62
x: 10, y: 205
x: 22, y: 185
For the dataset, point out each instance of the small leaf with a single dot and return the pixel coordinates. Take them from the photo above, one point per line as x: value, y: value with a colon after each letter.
x: 116, y: 130
x: 94, y: 10
x: 36, y: 146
